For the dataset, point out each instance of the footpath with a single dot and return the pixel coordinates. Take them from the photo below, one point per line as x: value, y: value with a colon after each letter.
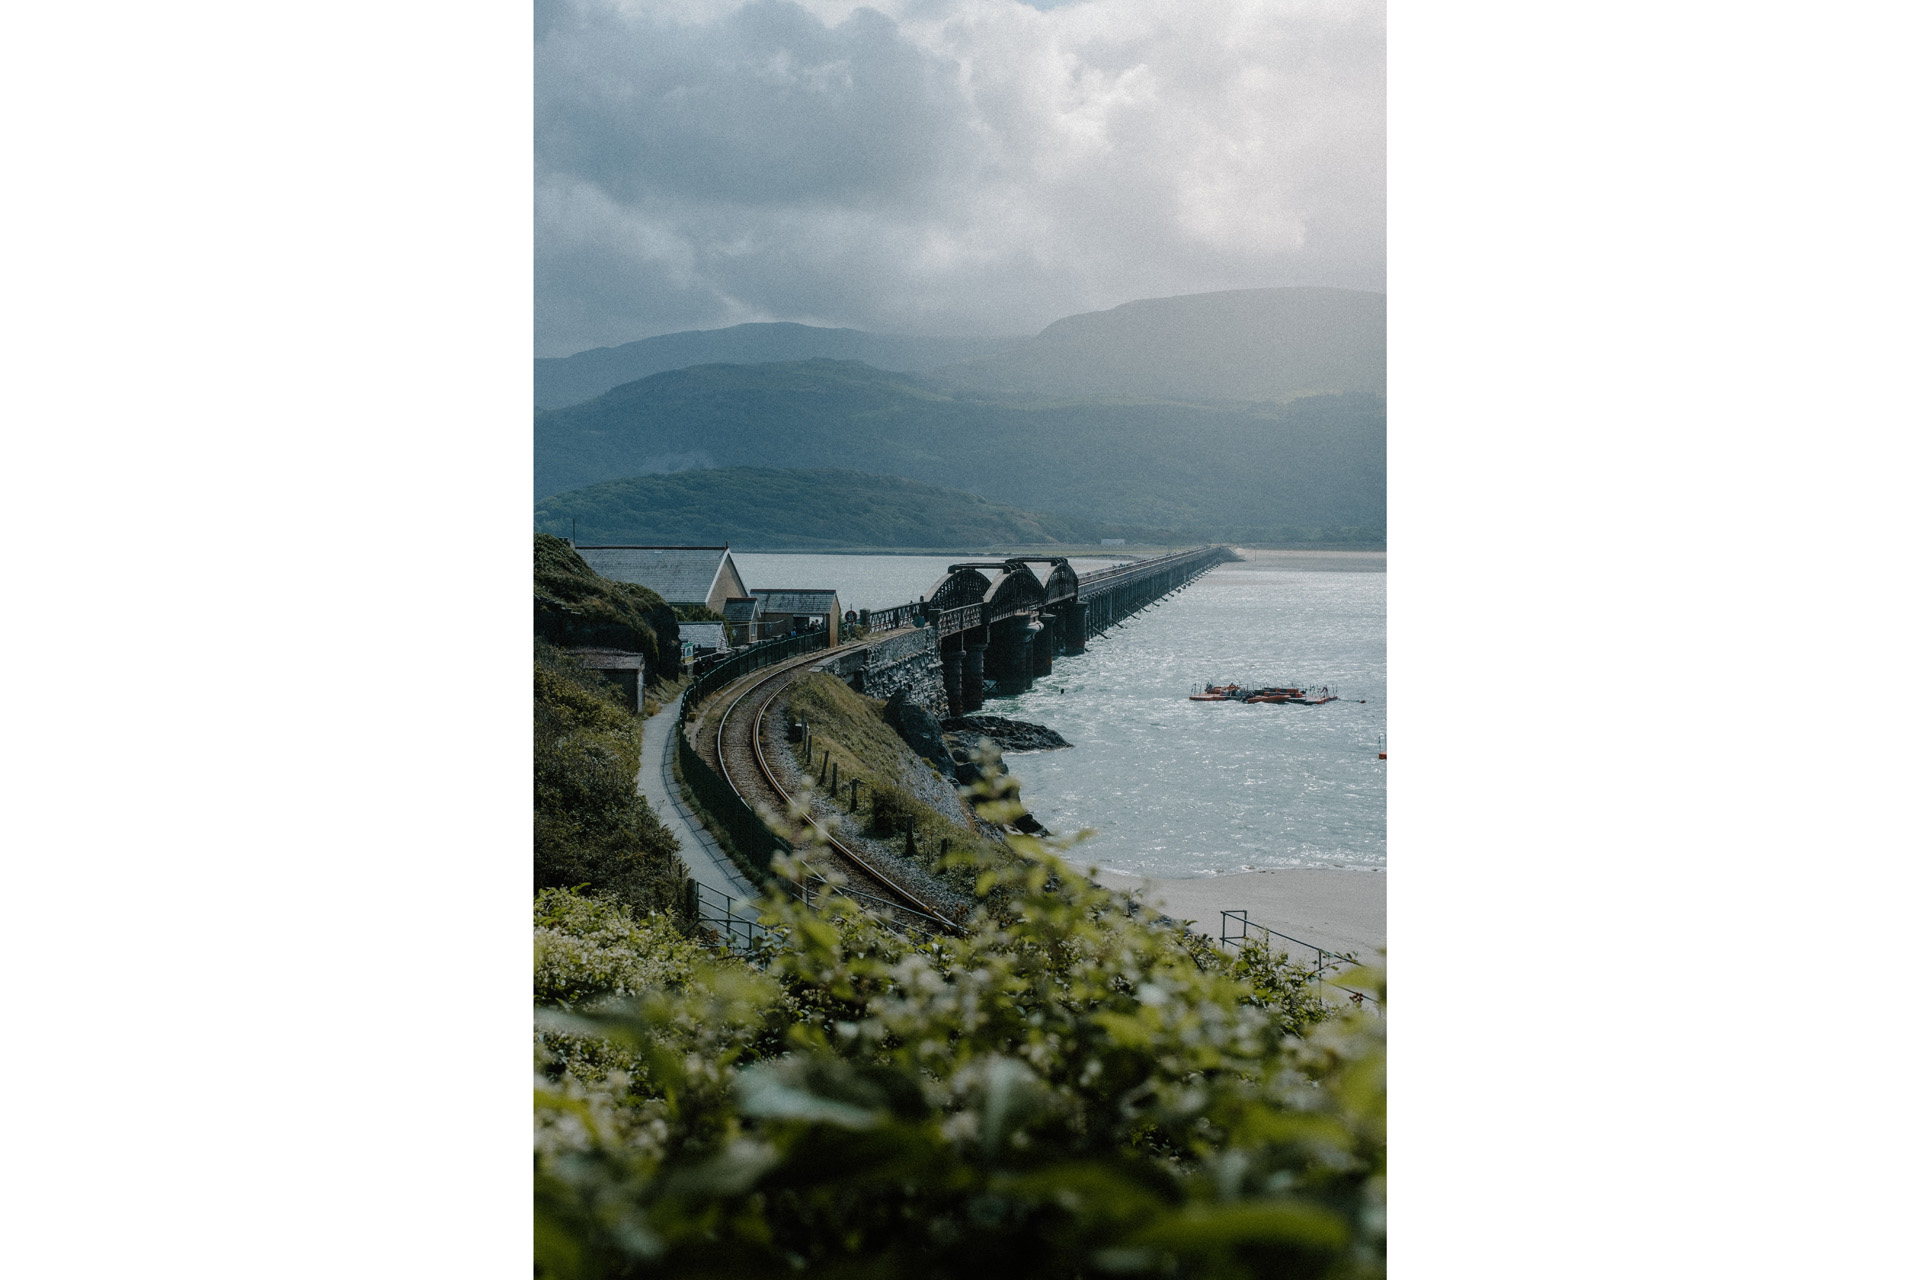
x: 705, y: 861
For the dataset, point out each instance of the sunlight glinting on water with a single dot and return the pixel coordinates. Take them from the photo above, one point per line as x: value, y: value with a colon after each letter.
x: 1177, y: 788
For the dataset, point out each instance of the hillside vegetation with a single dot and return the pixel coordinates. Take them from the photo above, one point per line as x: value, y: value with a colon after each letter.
x: 760, y: 507
x: 848, y: 727
x: 1068, y: 1090
x: 1244, y: 344
x: 1224, y: 472
x: 591, y: 829
x: 574, y: 606
x: 566, y: 380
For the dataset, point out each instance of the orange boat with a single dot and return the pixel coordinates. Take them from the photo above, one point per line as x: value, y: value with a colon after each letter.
x: 1217, y: 693
x: 1271, y: 694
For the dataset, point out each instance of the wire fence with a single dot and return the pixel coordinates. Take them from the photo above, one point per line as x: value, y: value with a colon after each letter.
x: 750, y: 837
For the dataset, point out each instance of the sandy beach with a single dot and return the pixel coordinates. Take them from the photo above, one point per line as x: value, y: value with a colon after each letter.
x: 1339, y: 910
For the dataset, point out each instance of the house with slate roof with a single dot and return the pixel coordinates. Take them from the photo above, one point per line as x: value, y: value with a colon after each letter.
x: 783, y: 609
x: 681, y: 575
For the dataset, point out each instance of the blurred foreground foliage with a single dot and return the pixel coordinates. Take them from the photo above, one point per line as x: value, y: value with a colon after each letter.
x: 1070, y: 1090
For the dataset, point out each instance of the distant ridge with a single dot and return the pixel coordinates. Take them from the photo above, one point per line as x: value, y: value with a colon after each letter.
x: 561, y: 381
x: 767, y: 508
x: 1237, y: 471
x: 1243, y: 344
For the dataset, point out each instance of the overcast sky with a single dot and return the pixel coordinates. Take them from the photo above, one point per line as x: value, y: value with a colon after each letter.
x: 945, y: 166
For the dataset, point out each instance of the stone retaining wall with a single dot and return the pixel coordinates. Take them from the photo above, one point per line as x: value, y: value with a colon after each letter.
x: 908, y: 663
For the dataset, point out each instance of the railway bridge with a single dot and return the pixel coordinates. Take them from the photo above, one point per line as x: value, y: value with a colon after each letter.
x: 1005, y: 620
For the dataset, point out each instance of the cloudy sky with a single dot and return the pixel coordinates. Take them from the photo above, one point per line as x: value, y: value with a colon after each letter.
x: 945, y: 166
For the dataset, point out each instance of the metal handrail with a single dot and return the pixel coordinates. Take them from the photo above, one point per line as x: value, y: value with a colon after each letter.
x: 1325, y: 961
x: 736, y: 931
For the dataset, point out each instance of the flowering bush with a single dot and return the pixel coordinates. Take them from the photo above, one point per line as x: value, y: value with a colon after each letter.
x: 1068, y: 1090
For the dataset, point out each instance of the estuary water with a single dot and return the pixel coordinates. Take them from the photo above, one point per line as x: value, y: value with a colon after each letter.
x: 1174, y: 788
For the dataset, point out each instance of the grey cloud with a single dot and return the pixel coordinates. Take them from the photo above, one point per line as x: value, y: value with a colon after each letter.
x: 962, y: 166
x: 767, y: 106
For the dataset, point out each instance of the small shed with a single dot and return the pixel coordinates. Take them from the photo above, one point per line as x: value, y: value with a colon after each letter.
x: 619, y: 668
x: 786, y: 609
x: 744, y: 620
x: 705, y: 637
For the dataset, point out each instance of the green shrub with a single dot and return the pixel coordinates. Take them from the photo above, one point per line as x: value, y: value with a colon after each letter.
x: 591, y: 827
x: 1068, y: 1091
x: 892, y: 810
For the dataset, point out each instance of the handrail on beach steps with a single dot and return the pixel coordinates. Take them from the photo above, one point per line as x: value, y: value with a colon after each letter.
x: 716, y: 910
x: 1324, y: 961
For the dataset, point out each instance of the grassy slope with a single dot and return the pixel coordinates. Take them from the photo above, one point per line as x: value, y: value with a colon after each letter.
x: 849, y: 725
x: 764, y: 507
x: 1206, y: 471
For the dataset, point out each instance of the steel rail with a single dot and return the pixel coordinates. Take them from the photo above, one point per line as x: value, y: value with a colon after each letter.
x: 910, y: 901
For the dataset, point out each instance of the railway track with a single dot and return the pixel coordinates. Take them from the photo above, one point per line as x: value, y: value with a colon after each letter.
x: 740, y: 753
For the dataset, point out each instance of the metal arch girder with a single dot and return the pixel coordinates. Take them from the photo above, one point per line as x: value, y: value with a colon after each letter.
x: 963, y: 584
x: 1016, y: 590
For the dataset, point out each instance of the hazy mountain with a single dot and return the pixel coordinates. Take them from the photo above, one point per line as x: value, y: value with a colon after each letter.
x: 1246, y: 344
x: 561, y: 381
x: 764, y: 508
x: 1221, y: 471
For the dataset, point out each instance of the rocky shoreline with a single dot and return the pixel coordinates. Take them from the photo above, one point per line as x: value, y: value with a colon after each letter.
x: 964, y: 733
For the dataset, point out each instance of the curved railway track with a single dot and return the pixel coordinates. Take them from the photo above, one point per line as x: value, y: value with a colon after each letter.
x: 739, y: 751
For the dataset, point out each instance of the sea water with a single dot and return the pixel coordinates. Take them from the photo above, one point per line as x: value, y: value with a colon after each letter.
x: 1175, y: 788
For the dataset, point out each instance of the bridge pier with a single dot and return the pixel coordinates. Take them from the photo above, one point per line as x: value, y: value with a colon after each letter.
x: 953, y: 658
x: 1072, y: 621
x: 973, y: 674
x: 1041, y: 658
x: 1009, y: 654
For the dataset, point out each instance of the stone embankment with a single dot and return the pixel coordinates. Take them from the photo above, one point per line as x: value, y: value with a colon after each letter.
x: 907, y: 663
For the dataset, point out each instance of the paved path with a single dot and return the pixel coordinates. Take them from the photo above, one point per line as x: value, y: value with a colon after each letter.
x: 705, y: 860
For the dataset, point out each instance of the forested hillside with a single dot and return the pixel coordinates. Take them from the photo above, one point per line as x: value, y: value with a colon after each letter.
x: 1210, y: 471
x: 765, y: 508
x: 562, y: 381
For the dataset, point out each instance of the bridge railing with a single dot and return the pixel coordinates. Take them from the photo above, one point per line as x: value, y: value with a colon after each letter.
x: 891, y: 619
x: 965, y: 617
x: 1101, y: 581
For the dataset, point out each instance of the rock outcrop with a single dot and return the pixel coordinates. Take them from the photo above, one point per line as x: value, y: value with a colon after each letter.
x: 965, y: 732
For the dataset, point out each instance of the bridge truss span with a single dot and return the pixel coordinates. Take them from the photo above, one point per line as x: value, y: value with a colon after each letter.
x: 1001, y: 632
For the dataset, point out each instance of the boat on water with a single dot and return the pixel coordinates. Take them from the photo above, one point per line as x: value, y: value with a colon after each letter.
x: 1295, y: 694
x: 1277, y: 693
